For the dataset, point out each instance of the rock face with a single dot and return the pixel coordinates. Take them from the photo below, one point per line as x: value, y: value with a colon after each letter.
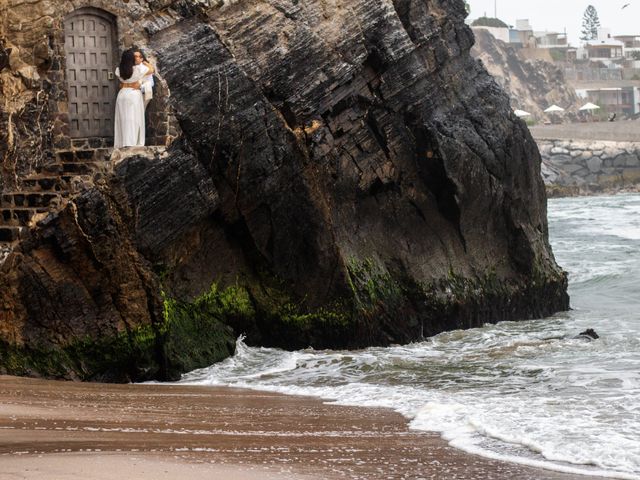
x: 532, y: 85
x: 346, y: 169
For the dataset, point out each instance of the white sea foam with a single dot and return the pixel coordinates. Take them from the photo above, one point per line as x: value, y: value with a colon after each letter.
x: 465, y: 419
x: 523, y: 392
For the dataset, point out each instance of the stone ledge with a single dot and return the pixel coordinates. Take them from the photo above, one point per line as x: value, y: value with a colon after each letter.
x: 151, y: 152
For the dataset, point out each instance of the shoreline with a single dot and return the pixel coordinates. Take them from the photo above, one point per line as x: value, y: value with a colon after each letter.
x: 564, y: 191
x: 55, y: 429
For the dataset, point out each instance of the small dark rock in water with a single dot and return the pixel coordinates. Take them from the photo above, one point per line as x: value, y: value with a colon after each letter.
x: 588, y: 334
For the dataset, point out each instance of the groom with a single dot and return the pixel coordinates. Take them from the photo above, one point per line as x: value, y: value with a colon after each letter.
x: 146, y: 85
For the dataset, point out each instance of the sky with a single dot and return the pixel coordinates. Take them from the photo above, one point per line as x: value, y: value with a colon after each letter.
x: 558, y: 15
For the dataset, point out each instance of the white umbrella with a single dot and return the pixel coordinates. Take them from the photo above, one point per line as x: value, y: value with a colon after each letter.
x: 554, y: 109
x: 521, y: 113
x: 589, y: 106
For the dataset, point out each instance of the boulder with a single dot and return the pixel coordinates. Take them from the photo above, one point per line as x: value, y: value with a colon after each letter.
x: 561, y: 159
x: 626, y: 160
x: 572, y: 168
x: 594, y: 164
x: 589, y: 334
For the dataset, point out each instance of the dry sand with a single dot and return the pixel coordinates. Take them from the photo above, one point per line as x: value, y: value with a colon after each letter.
x: 62, y: 430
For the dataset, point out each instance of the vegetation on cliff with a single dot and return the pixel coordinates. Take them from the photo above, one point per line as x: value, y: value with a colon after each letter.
x: 489, y: 22
x: 191, y: 335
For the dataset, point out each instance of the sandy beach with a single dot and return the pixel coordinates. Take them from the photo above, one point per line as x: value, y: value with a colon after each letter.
x: 63, y: 430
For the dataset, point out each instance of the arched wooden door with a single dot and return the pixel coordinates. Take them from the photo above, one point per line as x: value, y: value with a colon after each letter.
x: 90, y: 39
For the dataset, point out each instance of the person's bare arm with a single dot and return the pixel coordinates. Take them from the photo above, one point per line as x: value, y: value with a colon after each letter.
x: 150, y: 67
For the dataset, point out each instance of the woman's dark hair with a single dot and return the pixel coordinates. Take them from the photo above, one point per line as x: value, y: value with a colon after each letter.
x: 127, y: 62
x: 136, y: 49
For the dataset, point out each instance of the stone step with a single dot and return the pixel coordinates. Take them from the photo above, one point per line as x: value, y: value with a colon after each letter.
x: 85, y: 168
x: 73, y: 168
x: 28, y: 199
x: 91, y: 155
x: 19, y: 216
x: 9, y: 234
x: 45, y: 183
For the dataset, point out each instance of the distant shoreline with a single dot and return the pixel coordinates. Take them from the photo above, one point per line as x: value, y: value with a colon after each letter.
x: 619, y: 131
x: 559, y: 191
x: 54, y: 429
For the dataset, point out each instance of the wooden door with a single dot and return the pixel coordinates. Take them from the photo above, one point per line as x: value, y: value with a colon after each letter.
x: 90, y: 58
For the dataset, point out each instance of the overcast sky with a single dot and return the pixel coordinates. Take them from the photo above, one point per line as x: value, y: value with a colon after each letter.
x: 556, y: 15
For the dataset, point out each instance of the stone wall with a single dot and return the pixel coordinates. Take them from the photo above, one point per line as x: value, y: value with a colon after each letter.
x: 582, y: 167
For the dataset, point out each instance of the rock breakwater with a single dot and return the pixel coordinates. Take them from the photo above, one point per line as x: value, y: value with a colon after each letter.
x: 572, y: 167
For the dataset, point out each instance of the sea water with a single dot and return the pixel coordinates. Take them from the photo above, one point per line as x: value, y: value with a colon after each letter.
x: 525, y: 392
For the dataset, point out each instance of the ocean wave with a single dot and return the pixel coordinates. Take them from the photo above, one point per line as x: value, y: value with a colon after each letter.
x: 465, y: 417
x: 522, y: 392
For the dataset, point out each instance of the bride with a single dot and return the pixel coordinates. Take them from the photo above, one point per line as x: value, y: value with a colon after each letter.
x: 129, y: 118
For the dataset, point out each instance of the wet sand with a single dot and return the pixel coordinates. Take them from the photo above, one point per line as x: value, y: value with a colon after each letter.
x: 62, y: 430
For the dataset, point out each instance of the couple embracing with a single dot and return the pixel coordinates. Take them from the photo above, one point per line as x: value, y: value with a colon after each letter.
x: 136, y: 83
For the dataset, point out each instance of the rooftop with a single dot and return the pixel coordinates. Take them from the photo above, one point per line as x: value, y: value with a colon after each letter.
x: 607, y: 42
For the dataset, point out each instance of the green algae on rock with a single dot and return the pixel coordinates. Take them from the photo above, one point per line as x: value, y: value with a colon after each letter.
x: 191, y: 335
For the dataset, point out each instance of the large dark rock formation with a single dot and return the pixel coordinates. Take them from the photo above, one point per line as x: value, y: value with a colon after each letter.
x: 346, y: 169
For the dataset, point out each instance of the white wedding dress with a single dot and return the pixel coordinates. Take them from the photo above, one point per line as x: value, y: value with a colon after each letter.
x: 129, y: 118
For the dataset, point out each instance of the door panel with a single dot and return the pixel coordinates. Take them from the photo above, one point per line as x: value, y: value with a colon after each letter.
x: 90, y: 58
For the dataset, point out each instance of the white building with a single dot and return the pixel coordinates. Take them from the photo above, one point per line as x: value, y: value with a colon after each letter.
x: 605, y: 48
x: 522, y: 35
x: 631, y: 45
x: 622, y: 97
x: 551, y: 40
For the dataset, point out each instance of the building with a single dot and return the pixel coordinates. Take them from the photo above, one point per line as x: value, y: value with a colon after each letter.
x: 522, y: 36
x: 604, y: 49
x: 621, y: 97
x: 631, y: 45
x: 551, y: 40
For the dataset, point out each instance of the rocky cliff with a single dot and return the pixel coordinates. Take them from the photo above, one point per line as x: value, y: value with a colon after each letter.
x: 532, y: 85
x: 345, y: 175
